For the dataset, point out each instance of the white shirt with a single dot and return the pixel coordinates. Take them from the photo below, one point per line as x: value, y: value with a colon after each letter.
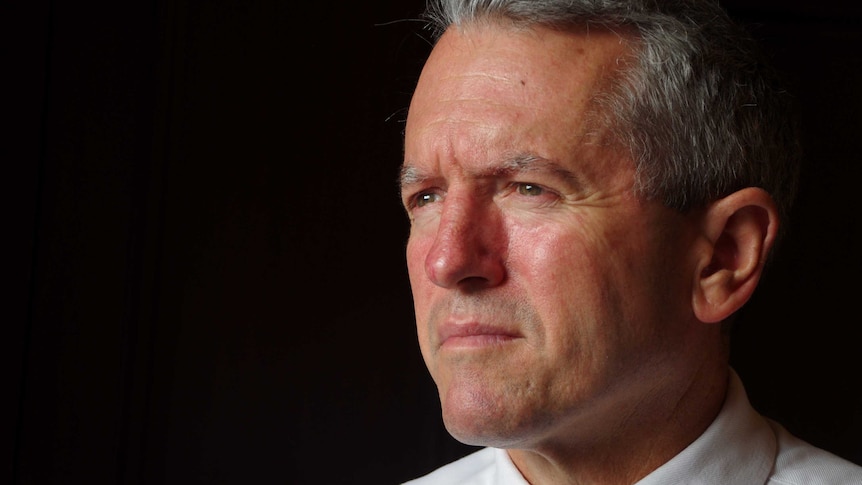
x: 740, y: 447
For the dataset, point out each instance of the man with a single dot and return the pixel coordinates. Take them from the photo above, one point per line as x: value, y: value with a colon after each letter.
x: 594, y: 189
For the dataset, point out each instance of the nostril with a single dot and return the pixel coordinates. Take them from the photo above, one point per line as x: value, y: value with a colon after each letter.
x: 464, y: 265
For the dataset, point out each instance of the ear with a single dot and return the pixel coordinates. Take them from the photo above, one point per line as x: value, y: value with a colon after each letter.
x: 739, y: 231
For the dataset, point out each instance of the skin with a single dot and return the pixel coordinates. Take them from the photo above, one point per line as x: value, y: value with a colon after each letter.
x: 561, y: 316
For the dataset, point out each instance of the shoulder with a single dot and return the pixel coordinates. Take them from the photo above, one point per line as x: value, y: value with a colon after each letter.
x: 474, y: 468
x: 799, y: 462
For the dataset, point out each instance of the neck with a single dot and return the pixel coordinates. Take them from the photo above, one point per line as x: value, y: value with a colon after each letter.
x: 636, y: 440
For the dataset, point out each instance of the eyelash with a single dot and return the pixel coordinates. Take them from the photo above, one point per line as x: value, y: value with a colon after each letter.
x: 522, y: 188
x: 421, y: 199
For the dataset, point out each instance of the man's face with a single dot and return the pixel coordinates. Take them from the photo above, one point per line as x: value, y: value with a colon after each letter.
x: 548, y: 297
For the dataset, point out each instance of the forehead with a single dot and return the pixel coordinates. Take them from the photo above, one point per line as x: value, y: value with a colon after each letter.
x: 525, y: 57
x: 493, y: 87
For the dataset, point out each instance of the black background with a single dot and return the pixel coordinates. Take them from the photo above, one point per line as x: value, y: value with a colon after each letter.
x: 204, y: 243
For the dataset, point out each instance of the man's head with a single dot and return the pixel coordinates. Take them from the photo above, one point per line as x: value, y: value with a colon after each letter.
x: 571, y: 252
x: 699, y: 110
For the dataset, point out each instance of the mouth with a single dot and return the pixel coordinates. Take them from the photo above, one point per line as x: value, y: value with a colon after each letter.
x: 474, y: 336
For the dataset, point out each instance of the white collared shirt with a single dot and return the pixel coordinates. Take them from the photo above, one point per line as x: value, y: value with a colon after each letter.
x: 740, y: 447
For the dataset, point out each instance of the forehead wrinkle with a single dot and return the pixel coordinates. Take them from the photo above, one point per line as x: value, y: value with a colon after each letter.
x: 491, y: 85
x: 528, y: 162
x: 478, y: 75
x: 508, y: 165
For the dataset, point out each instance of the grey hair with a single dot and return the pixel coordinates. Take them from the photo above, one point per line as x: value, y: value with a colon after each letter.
x: 700, y: 110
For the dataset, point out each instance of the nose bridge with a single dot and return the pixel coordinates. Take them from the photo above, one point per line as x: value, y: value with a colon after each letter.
x: 461, y: 213
x: 466, y: 245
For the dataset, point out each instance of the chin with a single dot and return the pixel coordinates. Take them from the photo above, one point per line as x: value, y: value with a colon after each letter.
x: 480, y: 437
x: 489, y: 425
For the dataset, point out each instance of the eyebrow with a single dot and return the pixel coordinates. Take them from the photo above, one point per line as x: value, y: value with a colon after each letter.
x: 518, y: 163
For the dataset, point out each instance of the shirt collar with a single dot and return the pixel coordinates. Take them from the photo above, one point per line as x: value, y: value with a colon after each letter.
x: 738, y: 447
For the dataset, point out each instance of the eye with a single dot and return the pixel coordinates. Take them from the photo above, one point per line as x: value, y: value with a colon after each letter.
x: 531, y: 190
x: 424, y: 198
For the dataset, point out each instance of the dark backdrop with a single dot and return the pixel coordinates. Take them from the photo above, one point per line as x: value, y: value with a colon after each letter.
x: 204, y: 243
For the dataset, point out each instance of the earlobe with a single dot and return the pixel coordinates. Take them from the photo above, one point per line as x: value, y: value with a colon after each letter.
x: 740, y: 231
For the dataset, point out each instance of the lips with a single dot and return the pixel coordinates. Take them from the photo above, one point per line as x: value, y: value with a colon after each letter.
x: 453, y: 335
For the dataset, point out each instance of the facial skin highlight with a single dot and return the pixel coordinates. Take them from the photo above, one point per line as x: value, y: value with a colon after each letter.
x: 546, y: 292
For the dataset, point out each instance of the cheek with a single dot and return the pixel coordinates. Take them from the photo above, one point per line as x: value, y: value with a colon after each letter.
x: 416, y: 251
x: 421, y: 288
x: 578, y: 281
x: 554, y: 263
x: 412, y: 255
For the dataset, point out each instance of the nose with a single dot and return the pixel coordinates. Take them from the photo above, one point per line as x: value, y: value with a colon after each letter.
x: 468, y: 248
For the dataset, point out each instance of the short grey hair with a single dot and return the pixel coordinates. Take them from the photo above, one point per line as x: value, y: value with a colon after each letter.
x: 700, y: 110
